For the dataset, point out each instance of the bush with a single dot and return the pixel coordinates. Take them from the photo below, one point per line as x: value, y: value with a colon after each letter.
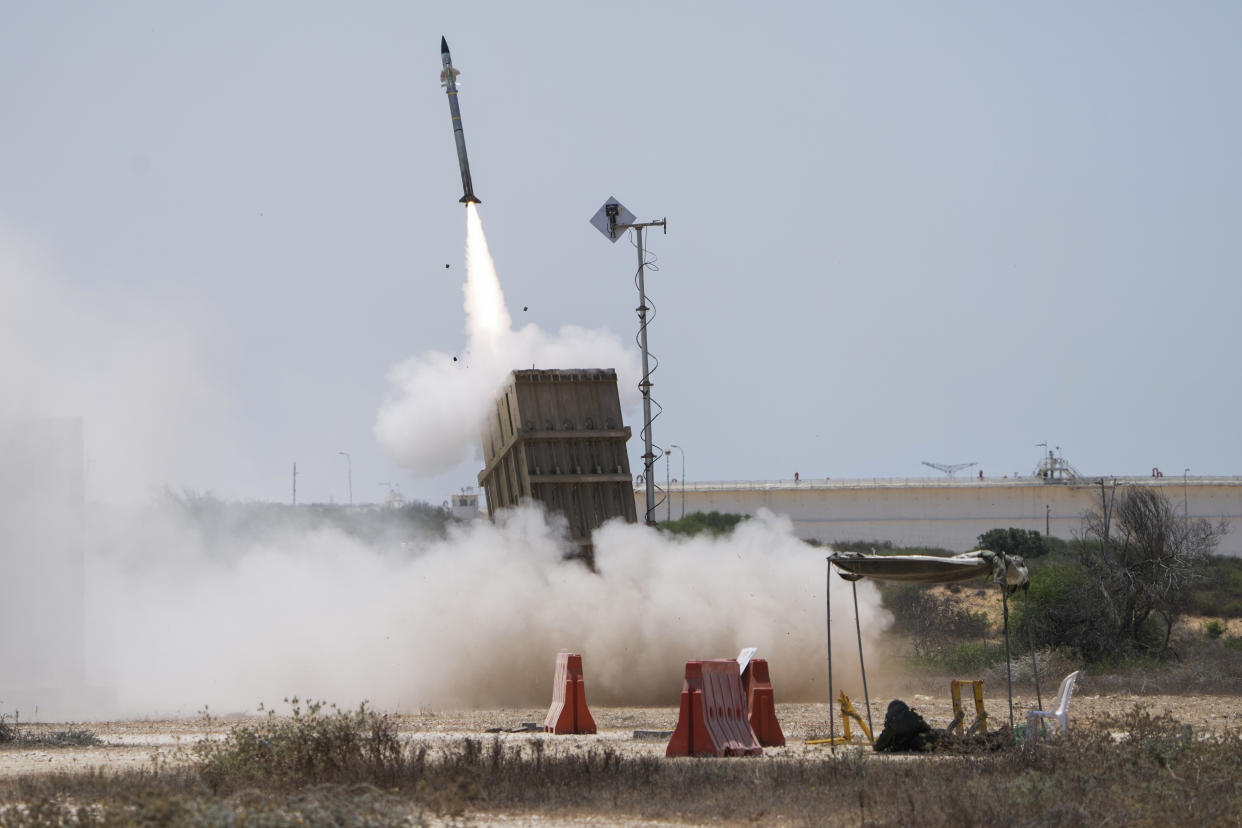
x: 937, y: 624
x: 969, y: 659
x: 713, y: 523
x: 880, y: 547
x: 1059, y: 610
x: 1219, y: 592
x: 11, y: 732
x: 312, y: 747
x: 1214, y: 629
x: 1026, y: 543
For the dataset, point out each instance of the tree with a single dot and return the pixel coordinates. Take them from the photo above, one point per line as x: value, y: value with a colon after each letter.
x: 1026, y: 543
x: 1144, y: 561
x: 713, y: 523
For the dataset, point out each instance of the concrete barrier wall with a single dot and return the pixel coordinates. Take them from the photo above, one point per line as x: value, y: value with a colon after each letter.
x: 946, y: 513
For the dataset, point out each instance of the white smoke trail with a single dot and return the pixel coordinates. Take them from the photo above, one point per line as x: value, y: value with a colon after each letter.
x: 487, y: 318
x: 430, y: 419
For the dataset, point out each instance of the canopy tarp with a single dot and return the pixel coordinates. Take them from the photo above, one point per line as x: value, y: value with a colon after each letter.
x: 1009, y: 572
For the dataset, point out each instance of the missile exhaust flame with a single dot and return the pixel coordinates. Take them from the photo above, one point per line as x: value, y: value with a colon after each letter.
x: 487, y: 317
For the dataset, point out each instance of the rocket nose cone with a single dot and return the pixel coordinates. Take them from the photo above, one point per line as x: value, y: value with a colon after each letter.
x: 443, y: 46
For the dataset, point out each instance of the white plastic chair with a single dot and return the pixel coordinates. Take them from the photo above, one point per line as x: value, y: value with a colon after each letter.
x: 1060, y: 711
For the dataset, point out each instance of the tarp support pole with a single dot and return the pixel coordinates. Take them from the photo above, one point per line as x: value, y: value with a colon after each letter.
x: 861, y: 665
x: 1008, y: 662
x: 1030, y: 635
x: 832, y: 731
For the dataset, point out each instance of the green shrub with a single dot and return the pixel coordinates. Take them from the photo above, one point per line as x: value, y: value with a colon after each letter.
x: 1219, y: 591
x: 1214, y: 628
x: 1026, y: 543
x: 713, y: 523
x: 884, y: 547
x: 1061, y: 610
x: 969, y: 659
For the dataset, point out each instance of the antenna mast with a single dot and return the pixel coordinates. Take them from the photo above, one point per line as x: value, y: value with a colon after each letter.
x: 610, y: 220
x: 949, y: 468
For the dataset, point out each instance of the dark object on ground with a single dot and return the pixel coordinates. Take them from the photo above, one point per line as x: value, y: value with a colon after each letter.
x: 524, y: 727
x: 904, y: 730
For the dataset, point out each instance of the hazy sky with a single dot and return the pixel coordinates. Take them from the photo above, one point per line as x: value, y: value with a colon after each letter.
x: 897, y: 232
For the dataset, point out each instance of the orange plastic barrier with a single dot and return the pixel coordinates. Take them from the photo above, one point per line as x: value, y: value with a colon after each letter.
x: 712, y: 720
x: 761, y: 704
x: 568, y: 713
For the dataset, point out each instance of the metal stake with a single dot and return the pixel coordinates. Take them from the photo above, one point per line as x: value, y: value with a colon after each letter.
x: 861, y: 665
x: 832, y: 729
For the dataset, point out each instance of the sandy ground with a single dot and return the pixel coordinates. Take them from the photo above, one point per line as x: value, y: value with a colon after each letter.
x: 140, y: 743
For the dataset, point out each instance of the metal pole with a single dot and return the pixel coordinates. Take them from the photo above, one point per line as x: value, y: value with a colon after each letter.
x: 295, y: 484
x: 668, y: 503
x: 683, y: 476
x: 683, y: 480
x: 861, y: 665
x: 645, y: 385
x: 349, y: 474
x: 1008, y: 663
x: 1185, y: 496
x: 832, y: 728
x: 1030, y: 635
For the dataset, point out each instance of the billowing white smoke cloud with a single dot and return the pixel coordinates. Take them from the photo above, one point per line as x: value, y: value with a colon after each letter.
x: 182, y: 611
x: 474, y: 620
x: 431, y: 418
x: 136, y: 372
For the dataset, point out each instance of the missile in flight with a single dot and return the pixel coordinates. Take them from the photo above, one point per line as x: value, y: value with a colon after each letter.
x: 448, y: 79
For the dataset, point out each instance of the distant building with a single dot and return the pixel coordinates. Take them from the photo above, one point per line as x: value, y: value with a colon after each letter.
x: 41, y: 556
x: 465, y: 505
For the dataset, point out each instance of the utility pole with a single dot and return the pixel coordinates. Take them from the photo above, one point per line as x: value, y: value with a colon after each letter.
x: 349, y: 472
x: 1185, y: 496
x: 295, y: 483
x: 668, y: 497
x: 683, y: 477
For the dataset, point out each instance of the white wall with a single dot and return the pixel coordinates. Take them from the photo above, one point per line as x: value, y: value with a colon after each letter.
x: 949, y: 513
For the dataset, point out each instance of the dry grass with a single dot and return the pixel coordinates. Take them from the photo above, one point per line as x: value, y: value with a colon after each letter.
x: 346, y: 768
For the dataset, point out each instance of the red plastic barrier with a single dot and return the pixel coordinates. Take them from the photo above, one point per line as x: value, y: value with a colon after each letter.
x: 761, y: 704
x: 568, y: 713
x: 712, y: 721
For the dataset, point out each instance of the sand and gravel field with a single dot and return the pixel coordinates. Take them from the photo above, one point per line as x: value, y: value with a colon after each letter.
x: 138, y: 743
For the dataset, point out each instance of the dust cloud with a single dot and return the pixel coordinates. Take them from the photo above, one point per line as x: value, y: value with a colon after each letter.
x: 471, y: 620
x: 141, y: 368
